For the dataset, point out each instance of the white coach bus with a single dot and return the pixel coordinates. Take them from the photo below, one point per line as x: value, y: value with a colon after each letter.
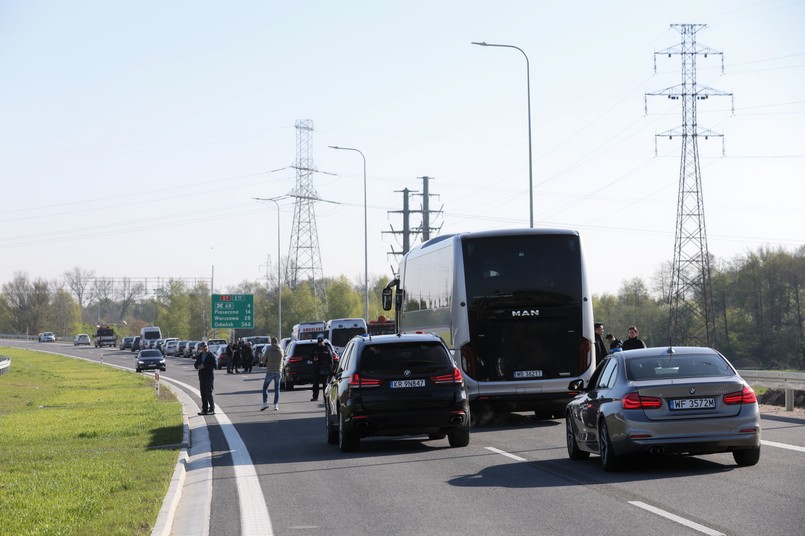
x: 512, y: 305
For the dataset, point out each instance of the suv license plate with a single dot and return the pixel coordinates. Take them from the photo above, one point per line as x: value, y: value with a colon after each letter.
x: 527, y: 374
x: 693, y: 403
x: 397, y: 384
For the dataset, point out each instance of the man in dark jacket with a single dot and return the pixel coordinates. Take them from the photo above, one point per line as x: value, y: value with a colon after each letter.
x: 322, y: 361
x: 205, y: 364
x: 600, y: 346
x: 633, y: 341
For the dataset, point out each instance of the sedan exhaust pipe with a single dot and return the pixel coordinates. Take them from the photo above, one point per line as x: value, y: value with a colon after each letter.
x: 656, y: 451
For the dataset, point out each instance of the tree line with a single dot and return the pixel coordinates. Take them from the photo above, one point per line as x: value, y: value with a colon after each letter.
x: 757, y: 307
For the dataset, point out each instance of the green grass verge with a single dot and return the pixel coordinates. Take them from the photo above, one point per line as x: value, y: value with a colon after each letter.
x: 84, y: 449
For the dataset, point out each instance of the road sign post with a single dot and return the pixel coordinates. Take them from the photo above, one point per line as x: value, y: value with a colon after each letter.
x: 233, y: 311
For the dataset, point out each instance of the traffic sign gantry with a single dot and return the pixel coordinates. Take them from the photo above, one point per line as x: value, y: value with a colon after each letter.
x: 233, y: 311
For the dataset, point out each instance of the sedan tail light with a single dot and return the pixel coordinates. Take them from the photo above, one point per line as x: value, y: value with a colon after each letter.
x: 746, y: 396
x: 635, y: 401
x: 356, y: 380
x: 453, y: 377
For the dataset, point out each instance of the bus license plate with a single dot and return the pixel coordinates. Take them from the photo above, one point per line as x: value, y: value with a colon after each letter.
x: 693, y: 403
x: 519, y: 374
x: 402, y: 384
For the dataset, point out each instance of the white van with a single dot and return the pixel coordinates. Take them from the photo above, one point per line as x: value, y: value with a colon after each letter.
x: 148, y: 334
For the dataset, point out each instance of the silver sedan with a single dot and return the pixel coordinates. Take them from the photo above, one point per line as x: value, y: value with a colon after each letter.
x: 683, y: 400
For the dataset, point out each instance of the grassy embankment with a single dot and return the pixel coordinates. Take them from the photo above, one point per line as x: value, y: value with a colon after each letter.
x: 84, y: 449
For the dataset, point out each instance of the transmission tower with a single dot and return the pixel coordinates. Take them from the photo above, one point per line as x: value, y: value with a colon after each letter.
x: 304, y: 256
x: 426, y: 212
x: 690, y: 294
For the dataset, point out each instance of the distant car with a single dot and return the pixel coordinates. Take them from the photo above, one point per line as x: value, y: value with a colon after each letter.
x: 297, y: 367
x: 150, y: 359
x: 258, y: 351
x: 82, y: 338
x: 170, y: 347
x: 125, y: 342
x: 219, y: 351
x: 47, y: 337
x: 392, y: 385
x: 135, y: 344
x: 675, y: 400
x: 180, y: 348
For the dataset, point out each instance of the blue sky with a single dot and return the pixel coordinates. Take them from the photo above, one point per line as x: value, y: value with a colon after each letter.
x: 134, y: 135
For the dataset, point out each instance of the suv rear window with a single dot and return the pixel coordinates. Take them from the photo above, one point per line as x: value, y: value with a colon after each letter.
x: 419, y: 358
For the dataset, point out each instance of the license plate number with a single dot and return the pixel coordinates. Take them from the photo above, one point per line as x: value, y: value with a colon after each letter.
x: 403, y: 384
x: 693, y: 403
x: 519, y: 374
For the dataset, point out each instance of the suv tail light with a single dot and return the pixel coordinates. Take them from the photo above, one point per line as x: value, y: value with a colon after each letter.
x: 453, y: 377
x: 746, y: 396
x: 357, y: 381
x: 294, y: 359
x: 635, y: 401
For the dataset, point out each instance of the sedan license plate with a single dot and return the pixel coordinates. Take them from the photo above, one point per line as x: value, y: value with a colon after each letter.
x: 692, y: 403
x: 520, y: 374
x: 402, y: 384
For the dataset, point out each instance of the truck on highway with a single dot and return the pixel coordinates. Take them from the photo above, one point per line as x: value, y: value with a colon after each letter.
x: 104, y: 336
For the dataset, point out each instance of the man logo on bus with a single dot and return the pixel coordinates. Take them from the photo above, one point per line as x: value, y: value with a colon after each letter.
x: 526, y: 312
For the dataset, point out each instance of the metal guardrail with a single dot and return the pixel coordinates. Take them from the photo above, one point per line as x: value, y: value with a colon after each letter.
x: 777, y: 379
x: 5, y: 365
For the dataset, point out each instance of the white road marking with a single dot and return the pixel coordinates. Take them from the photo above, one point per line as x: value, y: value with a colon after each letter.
x: 254, y: 517
x: 782, y: 445
x: 681, y: 520
x: 504, y: 453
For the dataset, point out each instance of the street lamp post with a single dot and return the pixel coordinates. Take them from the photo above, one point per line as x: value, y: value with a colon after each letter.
x: 365, y: 235
x: 279, y: 264
x: 528, y: 89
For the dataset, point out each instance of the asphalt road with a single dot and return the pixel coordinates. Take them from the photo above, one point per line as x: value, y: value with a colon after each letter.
x: 513, y: 478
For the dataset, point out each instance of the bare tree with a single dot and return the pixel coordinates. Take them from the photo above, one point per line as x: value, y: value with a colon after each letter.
x: 28, y: 303
x: 127, y: 294
x: 80, y: 283
x: 103, y: 289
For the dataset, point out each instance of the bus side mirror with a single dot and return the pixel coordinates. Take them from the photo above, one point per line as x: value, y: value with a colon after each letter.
x: 398, y: 301
x: 386, y: 298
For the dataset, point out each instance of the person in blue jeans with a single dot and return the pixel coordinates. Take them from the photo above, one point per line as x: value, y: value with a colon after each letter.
x: 272, y: 361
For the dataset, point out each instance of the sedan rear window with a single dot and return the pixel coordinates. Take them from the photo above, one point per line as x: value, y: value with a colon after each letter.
x: 677, y: 366
x: 393, y: 359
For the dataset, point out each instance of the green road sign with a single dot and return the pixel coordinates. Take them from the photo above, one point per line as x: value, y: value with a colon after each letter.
x: 233, y: 311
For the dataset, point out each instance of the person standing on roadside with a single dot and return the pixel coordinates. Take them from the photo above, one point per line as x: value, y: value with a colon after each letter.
x: 601, y: 350
x: 322, y: 362
x: 236, y: 355
x: 272, y: 361
x: 205, y: 364
x: 230, y: 357
x: 247, y: 357
x: 634, y: 340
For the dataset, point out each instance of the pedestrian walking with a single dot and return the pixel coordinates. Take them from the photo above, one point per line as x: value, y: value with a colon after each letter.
x: 205, y: 364
x: 322, y: 363
x: 272, y: 361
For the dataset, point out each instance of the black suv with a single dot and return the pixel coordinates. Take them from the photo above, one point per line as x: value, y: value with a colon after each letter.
x: 297, y: 367
x: 396, y: 385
